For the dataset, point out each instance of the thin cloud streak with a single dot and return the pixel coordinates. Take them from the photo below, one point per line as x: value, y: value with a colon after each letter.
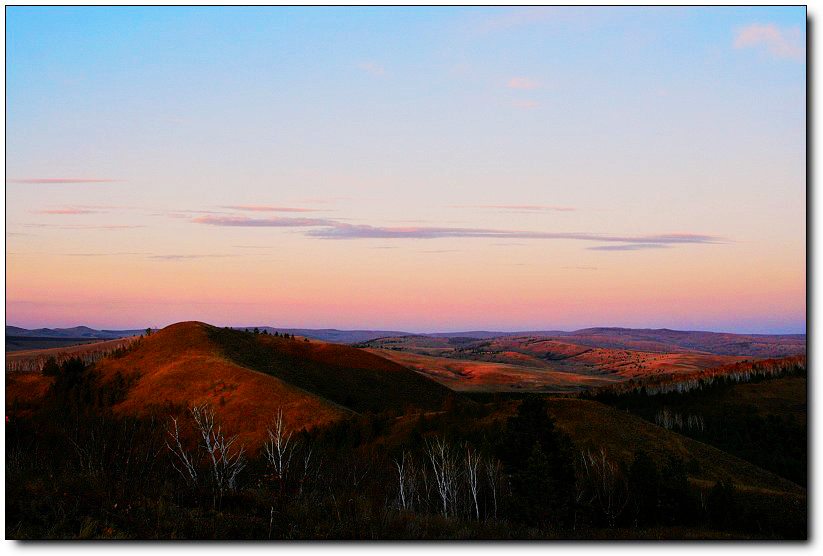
x: 632, y: 247
x: 63, y: 180
x: 272, y: 222
x: 87, y: 226
x: 519, y: 208
x: 268, y: 208
x: 351, y: 231
x: 174, y: 257
x: 67, y: 210
x: 119, y: 254
x: 323, y: 228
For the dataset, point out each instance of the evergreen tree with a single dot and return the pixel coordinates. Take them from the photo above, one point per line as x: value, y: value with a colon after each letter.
x: 644, y: 490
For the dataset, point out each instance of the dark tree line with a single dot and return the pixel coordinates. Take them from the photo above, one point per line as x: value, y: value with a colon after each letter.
x: 777, y: 443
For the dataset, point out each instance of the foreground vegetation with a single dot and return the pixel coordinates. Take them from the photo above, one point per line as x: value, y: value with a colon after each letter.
x: 75, y: 470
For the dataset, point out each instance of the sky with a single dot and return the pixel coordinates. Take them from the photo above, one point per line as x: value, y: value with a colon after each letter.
x: 416, y: 169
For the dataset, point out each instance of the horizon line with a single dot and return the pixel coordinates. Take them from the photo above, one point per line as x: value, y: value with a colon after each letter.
x: 430, y: 332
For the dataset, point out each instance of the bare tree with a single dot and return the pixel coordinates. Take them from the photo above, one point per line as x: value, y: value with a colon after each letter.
x: 472, y: 463
x: 444, y: 466
x: 311, y: 465
x: 226, y: 462
x: 182, y: 460
x: 493, y: 469
x: 406, y: 480
x: 279, y: 449
x: 605, y: 482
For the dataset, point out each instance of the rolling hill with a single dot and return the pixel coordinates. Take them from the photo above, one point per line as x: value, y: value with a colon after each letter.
x: 535, y: 364
x: 247, y: 378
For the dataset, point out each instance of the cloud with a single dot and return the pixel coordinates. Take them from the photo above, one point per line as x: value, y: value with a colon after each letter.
x: 87, y: 226
x: 351, y: 231
x: 118, y: 254
x: 272, y: 222
x: 66, y: 210
x: 519, y: 208
x: 783, y: 43
x: 372, y: 67
x: 175, y: 257
x: 579, y: 267
x: 268, y: 208
x: 63, y: 180
x: 630, y: 247
x: 522, y: 83
x: 324, y: 228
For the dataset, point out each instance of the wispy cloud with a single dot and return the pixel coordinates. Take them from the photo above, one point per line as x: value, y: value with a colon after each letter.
x: 579, y: 268
x: 632, y: 247
x: 63, y: 180
x: 116, y: 254
x: 372, y: 68
x: 324, y: 228
x: 523, y: 83
x: 519, y: 208
x: 272, y: 222
x: 87, y: 226
x: 352, y: 231
x: 268, y: 208
x: 783, y: 43
x: 175, y: 257
x: 67, y: 210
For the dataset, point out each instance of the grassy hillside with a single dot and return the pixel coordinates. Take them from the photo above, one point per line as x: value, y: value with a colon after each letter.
x: 595, y: 424
x: 181, y: 366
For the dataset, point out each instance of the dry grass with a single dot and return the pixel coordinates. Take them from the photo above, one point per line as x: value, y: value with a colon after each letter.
x: 32, y: 360
x: 623, y: 434
x: 180, y: 366
x: 537, y: 364
x: 485, y: 376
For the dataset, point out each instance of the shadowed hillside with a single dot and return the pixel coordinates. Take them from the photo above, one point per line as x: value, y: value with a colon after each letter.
x: 351, y: 377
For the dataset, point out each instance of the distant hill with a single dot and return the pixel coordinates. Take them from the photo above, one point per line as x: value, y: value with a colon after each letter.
x: 82, y: 332
x: 332, y: 334
x: 665, y: 340
x: 20, y: 339
x: 247, y: 378
x: 660, y: 340
x: 640, y: 340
